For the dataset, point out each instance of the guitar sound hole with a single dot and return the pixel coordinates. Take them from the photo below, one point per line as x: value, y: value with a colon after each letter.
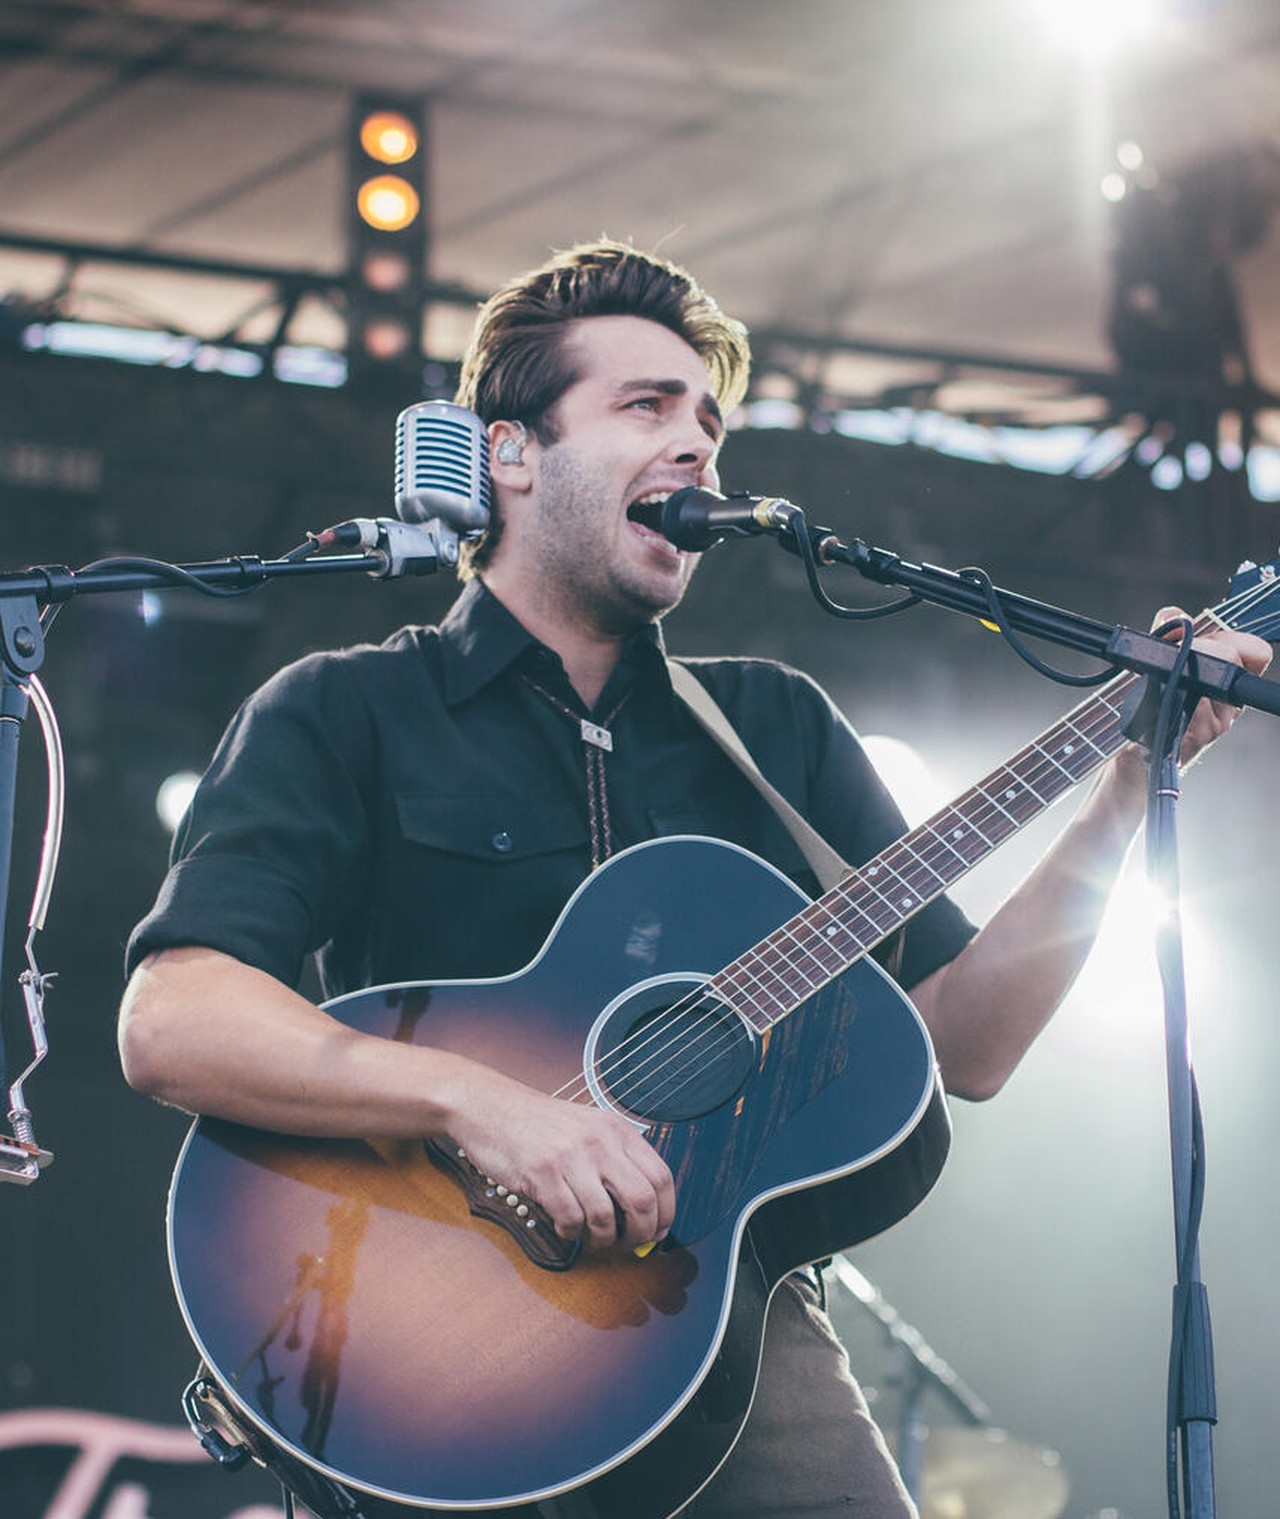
x: 676, y: 1060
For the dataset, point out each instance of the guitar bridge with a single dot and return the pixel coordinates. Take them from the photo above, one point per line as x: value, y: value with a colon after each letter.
x: 526, y: 1223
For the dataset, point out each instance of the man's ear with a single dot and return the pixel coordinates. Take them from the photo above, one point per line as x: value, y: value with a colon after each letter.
x: 508, y: 461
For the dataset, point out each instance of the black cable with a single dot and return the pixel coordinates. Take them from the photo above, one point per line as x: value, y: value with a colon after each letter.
x: 173, y: 572
x: 1172, y: 711
x: 801, y: 539
x: 303, y: 550
x: 1182, y: 1322
x: 803, y: 545
x: 983, y: 581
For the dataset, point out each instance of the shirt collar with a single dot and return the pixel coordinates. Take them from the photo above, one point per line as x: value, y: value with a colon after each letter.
x: 480, y: 639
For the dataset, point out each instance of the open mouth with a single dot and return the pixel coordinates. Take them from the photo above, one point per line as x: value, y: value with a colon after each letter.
x: 645, y: 512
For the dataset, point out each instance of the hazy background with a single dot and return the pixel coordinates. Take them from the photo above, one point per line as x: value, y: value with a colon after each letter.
x: 905, y: 203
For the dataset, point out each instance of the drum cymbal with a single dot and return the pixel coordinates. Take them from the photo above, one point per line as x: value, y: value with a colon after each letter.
x: 984, y: 1474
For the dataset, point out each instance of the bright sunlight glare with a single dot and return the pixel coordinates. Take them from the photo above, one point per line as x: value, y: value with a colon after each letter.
x: 1117, y: 1003
x: 1096, y: 29
x: 912, y: 783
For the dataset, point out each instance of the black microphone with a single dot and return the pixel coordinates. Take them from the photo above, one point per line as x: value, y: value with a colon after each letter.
x: 695, y: 518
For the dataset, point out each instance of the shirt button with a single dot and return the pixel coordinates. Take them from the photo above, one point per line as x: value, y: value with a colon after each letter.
x: 502, y: 842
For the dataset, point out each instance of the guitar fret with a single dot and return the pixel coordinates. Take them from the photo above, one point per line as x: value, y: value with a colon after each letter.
x: 742, y: 998
x: 827, y: 941
x: 1059, y: 766
x: 854, y: 905
x: 772, y: 980
x: 831, y: 940
x: 776, y: 952
x: 967, y: 835
x: 789, y: 963
x: 914, y: 895
x: 1001, y: 824
x: 873, y: 883
x: 875, y: 908
x: 751, y: 970
x: 921, y: 861
x: 1042, y: 797
x: 998, y: 802
x: 1086, y: 755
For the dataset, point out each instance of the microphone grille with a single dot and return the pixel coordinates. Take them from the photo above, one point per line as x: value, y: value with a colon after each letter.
x: 442, y: 465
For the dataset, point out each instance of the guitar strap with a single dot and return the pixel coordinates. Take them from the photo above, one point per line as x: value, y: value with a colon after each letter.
x: 826, y: 863
x: 829, y: 867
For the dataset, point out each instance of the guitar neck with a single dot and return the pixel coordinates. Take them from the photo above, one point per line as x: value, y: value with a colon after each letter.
x: 776, y: 975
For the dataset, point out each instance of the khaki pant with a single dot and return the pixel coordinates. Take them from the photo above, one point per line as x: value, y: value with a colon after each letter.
x: 809, y: 1449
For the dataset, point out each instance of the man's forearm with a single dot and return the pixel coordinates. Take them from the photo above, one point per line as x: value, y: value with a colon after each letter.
x: 986, y: 1007
x: 206, y: 1033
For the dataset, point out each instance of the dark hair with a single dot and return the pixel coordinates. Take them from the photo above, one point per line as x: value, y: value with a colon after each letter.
x: 519, y: 362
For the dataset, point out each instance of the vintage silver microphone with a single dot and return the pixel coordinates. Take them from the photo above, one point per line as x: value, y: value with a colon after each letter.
x: 442, y: 467
x: 441, y: 492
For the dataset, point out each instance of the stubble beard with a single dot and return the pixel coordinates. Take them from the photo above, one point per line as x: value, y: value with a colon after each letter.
x: 578, y: 557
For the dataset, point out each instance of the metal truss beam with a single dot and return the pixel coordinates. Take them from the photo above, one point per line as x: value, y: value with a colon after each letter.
x: 777, y: 349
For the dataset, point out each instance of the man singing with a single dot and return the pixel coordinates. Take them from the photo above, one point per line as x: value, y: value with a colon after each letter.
x: 424, y: 809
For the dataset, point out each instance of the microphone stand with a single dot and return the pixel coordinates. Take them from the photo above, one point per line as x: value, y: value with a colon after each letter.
x: 921, y: 1368
x: 396, y: 548
x: 1176, y: 679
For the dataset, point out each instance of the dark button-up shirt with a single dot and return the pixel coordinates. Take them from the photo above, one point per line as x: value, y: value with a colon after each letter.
x: 419, y: 810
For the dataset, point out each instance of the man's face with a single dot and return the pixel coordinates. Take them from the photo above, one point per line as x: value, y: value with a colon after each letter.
x: 640, y: 422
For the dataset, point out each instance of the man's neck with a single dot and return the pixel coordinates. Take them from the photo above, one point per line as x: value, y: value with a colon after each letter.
x: 588, y: 655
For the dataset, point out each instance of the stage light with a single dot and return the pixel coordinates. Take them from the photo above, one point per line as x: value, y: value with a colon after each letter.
x: 386, y: 270
x: 389, y: 137
x: 388, y: 203
x: 1263, y: 465
x: 1230, y: 454
x: 386, y: 339
x: 387, y: 240
x: 174, y: 797
x: 1167, y: 473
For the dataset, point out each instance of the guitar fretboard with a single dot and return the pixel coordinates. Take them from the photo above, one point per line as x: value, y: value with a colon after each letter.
x: 776, y: 975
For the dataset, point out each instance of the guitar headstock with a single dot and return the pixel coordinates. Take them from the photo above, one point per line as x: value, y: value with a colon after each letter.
x: 1254, y: 603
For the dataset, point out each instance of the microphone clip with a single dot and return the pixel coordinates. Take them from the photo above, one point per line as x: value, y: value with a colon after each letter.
x: 395, y: 548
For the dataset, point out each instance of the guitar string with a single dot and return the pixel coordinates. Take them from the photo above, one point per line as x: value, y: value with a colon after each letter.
x: 690, y: 1041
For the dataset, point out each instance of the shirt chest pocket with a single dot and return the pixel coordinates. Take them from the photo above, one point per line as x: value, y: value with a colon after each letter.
x: 496, y: 827
x: 479, y: 881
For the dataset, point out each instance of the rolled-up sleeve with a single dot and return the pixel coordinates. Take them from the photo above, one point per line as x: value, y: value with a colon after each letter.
x: 273, y: 850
